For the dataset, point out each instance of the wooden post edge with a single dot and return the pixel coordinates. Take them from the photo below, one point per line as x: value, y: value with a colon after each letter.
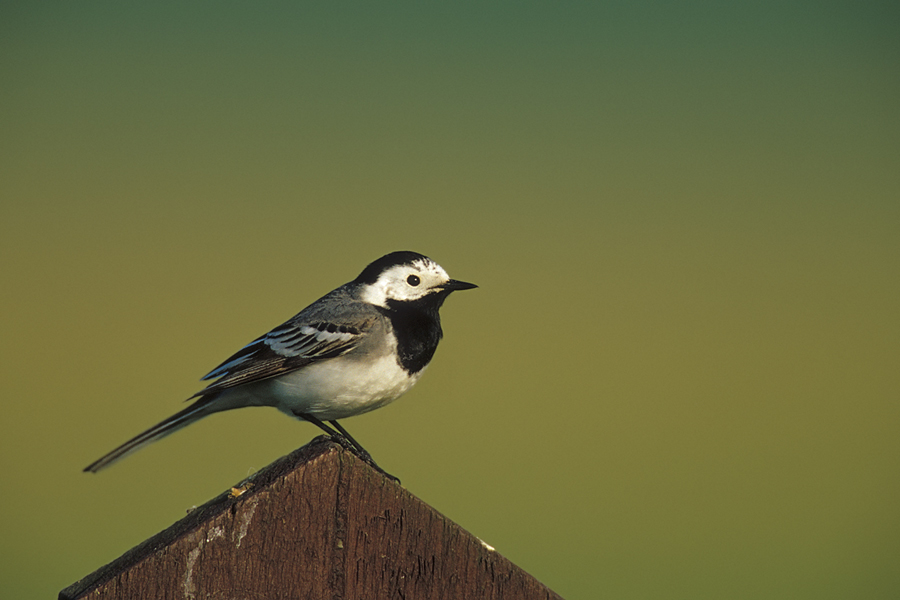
x: 317, y: 523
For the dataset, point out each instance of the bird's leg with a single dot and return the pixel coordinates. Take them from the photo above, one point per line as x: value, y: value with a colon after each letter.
x: 343, y: 437
x: 336, y: 436
x: 331, y: 432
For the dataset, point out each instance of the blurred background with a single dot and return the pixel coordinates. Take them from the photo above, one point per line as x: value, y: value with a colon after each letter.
x: 679, y: 377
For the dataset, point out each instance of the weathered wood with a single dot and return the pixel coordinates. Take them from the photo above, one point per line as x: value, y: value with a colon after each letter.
x: 318, y: 523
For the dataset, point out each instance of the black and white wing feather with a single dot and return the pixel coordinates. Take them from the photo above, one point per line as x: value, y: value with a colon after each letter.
x: 286, y: 348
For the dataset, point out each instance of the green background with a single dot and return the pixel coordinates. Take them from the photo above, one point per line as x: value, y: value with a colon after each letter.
x: 679, y: 377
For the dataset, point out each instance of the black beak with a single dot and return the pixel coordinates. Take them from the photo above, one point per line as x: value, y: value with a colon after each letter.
x: 454, y: 285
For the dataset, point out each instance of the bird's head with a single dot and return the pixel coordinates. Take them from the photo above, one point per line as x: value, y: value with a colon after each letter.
x: 406, y: 277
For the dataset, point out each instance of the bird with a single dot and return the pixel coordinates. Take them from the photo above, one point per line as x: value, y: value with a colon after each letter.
x: 355, y: 349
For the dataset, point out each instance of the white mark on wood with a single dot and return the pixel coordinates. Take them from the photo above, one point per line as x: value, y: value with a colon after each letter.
x: 247, y: 513
x: 215, y: 533
x: 189, y: 589
x: 486, y: 545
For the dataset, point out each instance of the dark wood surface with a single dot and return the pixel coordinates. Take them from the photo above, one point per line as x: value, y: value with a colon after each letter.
x: 318, y: 523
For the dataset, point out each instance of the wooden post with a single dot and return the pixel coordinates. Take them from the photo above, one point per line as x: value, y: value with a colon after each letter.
x: 318, y: 523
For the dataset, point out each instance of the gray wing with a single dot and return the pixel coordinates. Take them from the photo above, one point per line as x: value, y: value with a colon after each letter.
x: 286, y: 348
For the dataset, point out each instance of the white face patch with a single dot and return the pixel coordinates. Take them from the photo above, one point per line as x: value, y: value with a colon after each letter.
x: 405, y: 282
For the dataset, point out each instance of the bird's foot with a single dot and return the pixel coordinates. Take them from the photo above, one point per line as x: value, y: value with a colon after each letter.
x: 361, y: 454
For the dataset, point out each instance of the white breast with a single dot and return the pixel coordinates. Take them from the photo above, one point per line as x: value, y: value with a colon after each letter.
x: 341, y: 387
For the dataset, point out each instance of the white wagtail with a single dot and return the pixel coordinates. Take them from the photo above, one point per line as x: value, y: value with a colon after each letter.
x: 351, y: 351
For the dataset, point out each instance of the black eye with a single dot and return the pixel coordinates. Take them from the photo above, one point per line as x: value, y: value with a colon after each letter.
x: 413, y: 280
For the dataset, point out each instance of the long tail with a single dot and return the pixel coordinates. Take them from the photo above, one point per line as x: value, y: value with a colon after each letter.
x: 191, y: 414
